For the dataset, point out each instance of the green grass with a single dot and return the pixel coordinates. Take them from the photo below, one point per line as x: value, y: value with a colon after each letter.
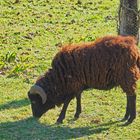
x: 31, y: 33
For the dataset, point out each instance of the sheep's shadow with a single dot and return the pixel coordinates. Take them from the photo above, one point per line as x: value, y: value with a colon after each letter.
x: 14, y: 104
x: 32, y: 129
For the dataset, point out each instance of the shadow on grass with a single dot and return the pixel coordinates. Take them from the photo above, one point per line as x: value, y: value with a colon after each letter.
x: 32, y: 129
x: 15, y: 104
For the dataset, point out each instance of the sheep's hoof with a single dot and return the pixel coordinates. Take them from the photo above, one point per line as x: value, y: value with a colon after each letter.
x: 130, y: 120
x: 127, y: 123
x: 59, y: 121
x: 123, y: 119
x: 76, y: 116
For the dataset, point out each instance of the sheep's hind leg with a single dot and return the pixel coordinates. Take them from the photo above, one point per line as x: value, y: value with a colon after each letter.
x: 63, y: 112
x: 132, y: 108
x: 128, y: 84
x: 126, y: 116
x: 78, y: 107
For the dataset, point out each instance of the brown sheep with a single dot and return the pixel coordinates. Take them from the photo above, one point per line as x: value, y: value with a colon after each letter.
x: 109, y: 62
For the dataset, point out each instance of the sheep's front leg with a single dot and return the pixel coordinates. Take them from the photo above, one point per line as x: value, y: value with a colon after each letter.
x: 63, y: 112
x: 78, y: 107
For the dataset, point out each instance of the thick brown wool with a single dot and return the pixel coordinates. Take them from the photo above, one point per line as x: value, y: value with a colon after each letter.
x: 106, y: 63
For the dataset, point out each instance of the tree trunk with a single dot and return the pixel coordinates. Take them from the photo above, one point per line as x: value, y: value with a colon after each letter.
x: 128, y: 18
x: 139, y: 18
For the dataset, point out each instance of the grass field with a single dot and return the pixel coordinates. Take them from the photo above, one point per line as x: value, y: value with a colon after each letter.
x: 31, y: 33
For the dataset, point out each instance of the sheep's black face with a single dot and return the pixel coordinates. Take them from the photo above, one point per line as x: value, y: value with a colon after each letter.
x: 38, y: 109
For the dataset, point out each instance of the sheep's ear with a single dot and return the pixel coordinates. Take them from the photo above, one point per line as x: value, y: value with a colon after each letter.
x: 38, y: 90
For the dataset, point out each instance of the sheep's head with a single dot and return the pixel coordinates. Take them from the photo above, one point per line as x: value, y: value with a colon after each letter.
x: 39, y: 101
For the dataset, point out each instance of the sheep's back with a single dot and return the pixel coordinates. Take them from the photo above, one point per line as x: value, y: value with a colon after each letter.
x: 100, y: 64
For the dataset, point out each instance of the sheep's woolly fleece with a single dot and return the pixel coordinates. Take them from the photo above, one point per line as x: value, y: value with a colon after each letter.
x: 106, y: 63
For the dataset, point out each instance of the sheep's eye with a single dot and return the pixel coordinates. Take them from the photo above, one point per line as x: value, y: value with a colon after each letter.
x: 33, y: 102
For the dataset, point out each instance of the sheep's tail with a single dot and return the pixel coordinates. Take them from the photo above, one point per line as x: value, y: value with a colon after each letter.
x: 138, y: 61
